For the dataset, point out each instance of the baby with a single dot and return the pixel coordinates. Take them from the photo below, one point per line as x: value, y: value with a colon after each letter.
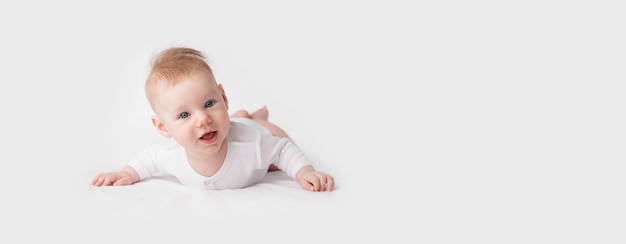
x: 208, y: 148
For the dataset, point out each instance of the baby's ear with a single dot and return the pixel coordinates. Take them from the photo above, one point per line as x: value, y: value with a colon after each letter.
x: 224, y: 95
x: 160, y: 127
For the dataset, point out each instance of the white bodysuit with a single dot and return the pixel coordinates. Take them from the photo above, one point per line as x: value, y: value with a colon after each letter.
x: 250, y: 151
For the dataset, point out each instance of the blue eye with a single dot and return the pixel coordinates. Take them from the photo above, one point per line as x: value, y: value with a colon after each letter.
x: 209, y: 104
x: 183, y: 115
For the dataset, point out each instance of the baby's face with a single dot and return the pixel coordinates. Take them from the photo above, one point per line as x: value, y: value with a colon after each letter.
x: 194, y: 112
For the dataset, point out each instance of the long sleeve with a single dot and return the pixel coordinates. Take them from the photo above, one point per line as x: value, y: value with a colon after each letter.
x: 290, y: 158
x: 150, y: 161
x: 145, y: 162
x: 282, y: 152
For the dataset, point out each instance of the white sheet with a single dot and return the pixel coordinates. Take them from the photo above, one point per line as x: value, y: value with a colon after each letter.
x: 277, y: 192
x: 160, y: 210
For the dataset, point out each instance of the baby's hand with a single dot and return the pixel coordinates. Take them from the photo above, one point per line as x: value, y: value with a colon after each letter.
x: 312, y: 180
x: 117, y: 178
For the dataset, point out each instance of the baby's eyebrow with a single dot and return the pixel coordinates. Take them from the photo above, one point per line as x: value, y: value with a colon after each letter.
x: 212, y: 94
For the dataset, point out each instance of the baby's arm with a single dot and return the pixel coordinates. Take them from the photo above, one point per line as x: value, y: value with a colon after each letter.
x: 126, y: 176
x: 312, y: 180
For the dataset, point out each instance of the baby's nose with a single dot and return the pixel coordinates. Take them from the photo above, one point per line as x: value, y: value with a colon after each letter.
x: 203, y: 119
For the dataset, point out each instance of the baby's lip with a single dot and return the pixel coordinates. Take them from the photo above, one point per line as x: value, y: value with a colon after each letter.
x: 208, y: 135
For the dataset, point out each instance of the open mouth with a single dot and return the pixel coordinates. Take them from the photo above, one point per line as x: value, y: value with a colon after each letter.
x: 209, y: 137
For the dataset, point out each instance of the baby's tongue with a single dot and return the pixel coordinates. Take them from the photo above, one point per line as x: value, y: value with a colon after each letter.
x: 208, y: 135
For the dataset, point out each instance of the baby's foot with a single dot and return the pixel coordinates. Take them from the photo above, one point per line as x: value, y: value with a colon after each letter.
x: 260, y: 114
x: 240, y: 114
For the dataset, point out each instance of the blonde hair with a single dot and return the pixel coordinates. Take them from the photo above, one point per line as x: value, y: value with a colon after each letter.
x: 172, y: 65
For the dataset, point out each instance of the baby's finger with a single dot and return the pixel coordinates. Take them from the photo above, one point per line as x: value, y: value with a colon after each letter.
x: 96, y: 181
x: 120, y: 182
x: 100, y: 180
x: 316, y: 183
x: 324, y: 183
x: 330, y: 183
x: 109, y: 180
x: 306, y: 185
x: 321, y: 180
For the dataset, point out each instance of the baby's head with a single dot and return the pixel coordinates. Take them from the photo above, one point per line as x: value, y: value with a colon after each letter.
x: 172, y: 65
x: 189, y: 105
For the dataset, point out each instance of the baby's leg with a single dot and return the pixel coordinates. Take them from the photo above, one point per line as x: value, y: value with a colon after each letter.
x: 240, y: 114
x: 261, y: 117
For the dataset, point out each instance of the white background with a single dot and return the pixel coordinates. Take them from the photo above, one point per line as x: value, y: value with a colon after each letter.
x: 442, y: 121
